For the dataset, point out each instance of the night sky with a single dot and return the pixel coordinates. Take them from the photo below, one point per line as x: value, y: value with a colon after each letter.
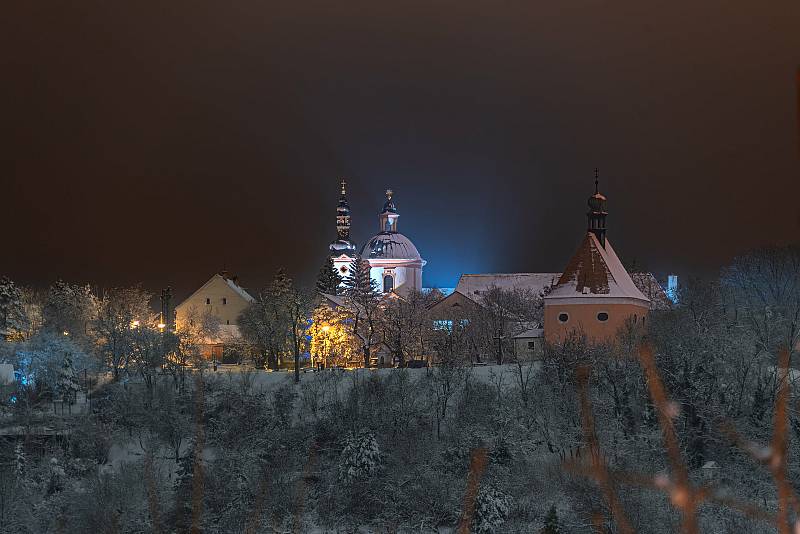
x: 159, y: 142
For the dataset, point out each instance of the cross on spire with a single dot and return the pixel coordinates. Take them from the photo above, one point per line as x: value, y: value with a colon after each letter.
x: 344, y: 184
x: 389, y: 194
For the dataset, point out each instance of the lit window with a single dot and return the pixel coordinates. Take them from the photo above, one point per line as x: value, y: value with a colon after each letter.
x: 443, y: 324
x: 563, y: 317
x: 603, y: 317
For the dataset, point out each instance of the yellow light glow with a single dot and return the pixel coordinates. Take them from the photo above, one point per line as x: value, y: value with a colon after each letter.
x: 66, y: 333
x: 326, y: 328
x: 162, y: 326
x: 135, y: 324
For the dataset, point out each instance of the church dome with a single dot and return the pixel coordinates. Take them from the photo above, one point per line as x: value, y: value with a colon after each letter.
x: 390, y: 246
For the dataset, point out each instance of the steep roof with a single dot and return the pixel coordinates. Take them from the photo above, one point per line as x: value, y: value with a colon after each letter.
x: 473, y: 285
x: 239, y: 290
x: 595, y: 271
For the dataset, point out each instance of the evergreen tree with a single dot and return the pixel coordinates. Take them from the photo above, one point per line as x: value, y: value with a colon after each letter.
x: 67, y: 380
x: 359, y: 457
x: 363, y: 300
x: 550, y: 522
x: 13, y: 321
x: 329, y: 280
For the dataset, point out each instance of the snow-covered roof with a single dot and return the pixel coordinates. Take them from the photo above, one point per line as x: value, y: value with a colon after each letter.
x: 650, y: 288
x: 595, y: 271
x: 473, y: 285
x: 239, y: 289
x: 390, y: 246
x: 335, y: 300
x: 6, y: 374
x: 530, y: 333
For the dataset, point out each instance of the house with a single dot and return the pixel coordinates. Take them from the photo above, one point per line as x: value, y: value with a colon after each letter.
x: 218, y: 302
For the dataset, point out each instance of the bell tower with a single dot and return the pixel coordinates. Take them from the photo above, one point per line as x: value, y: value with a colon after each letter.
x: 388, y: 217
x: 597, y: 212
x: 343, y: 250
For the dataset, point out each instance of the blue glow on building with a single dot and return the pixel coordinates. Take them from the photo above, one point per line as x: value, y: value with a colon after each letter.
x: 672, y: 288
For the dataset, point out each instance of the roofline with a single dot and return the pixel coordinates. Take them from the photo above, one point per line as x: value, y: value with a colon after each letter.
x: 593, y: 298
x: 184, y: 301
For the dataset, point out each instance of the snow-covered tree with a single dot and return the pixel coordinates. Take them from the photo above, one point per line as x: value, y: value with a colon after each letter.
x: 329, y: 279
x: 19, y: 459
x: 491, y: 509
x: 120, y: 313
x: 68, y: 384
x: 332, y: 342
x: 360, y: 457
x: 70, y: 309
x: 363, y: 300
x: 551, y: 522
x: 13, y: 321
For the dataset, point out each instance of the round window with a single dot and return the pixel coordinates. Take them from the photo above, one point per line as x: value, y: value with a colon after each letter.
x: 602, y: 317
x: 563, y: 317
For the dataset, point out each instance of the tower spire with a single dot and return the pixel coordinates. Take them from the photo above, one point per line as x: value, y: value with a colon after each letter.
x: 597, y: 212
x: 342, y: 243
x: 388, y: 217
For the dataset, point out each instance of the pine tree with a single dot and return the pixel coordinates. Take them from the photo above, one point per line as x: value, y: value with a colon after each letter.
x: 358, y: 284
x: 13, y: 322
x: 491, y: 510
x: 67, y: 380
x: 550, y: 522
x: 359, y: 457
x: 329, y: 280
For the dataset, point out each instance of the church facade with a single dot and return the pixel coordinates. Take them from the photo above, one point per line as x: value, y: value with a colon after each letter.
x: 394, y: 262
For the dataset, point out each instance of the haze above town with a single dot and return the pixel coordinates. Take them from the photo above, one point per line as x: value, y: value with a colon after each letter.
x: 159, y: 144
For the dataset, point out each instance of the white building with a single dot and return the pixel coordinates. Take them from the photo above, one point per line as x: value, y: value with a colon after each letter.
x: 395, y: 263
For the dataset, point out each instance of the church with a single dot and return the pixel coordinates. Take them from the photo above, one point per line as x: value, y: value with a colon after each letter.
x: 394, y: 262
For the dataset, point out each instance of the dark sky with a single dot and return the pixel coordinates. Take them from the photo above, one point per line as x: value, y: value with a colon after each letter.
x: 160, y: 141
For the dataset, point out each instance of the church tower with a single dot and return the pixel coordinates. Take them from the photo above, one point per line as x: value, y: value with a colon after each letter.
x: 343, y: 250
x: 394, y: 262
x: 595, y: 295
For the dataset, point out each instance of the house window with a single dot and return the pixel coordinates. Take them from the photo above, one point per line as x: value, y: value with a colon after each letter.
x: 563, y: 317
x: 227, y: 321
x: 208, y: 301
x: 443, y: 324
x: 531, y: 345
x: 224, y: 301
x: 603, y: 317
x: 388, y: 284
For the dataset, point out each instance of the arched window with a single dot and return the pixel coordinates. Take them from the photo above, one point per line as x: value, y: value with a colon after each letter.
x: 388, y: 284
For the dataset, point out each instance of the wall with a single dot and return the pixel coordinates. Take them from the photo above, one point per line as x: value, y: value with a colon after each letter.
x: 215, y: 289
x: 584, y: 317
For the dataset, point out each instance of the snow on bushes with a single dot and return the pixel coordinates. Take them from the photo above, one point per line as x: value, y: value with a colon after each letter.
x: 360, y: 457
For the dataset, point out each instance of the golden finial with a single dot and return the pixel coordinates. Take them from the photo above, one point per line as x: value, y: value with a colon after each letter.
x: 389, y: 194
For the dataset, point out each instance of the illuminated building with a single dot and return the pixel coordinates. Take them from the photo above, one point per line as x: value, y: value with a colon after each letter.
x: 343, y: 250
x: 595, y: 295
x: 395, y: 263
x: 221, y: 298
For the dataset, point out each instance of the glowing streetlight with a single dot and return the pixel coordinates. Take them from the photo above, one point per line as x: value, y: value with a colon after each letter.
x: 134, y: 324
x: 326, y: 328
x: 65, y: 333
